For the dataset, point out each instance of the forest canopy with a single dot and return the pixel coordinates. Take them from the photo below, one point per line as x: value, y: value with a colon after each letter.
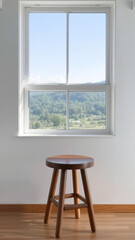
x: 47, y: 110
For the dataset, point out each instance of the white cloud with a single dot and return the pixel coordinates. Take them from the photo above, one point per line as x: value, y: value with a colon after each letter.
x: 50, y: 79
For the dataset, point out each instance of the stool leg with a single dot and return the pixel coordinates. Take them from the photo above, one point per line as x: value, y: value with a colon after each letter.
x: 89, y: 201
x: 61, y: 202
x: 76, y: 190
x: 51, y: 194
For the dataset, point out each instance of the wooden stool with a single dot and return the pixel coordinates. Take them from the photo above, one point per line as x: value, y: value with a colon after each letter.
x: 69, y: 162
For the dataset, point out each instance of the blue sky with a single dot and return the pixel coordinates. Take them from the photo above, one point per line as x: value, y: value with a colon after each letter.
x: 47, y: 47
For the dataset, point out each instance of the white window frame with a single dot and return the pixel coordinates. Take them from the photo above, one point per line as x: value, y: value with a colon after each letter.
x: 25, y: 8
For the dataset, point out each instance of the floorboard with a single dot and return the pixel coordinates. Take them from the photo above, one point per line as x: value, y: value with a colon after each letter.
x: 26, y: 226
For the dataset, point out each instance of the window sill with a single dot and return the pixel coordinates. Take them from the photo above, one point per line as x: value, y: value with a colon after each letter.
x: 69, y: 135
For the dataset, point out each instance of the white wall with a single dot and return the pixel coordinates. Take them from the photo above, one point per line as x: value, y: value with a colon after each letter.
x: 24, y: 178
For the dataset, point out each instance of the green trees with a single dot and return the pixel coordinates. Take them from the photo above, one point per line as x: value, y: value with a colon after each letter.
x: 47, y: 110
x: 87, y: 110
x: 58, y: 120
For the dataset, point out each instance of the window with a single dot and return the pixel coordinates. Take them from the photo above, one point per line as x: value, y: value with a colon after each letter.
x: 66, y: 68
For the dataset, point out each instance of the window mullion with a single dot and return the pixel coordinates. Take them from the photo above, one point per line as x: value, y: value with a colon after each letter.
x: 67, y: 111
x: 67, y: 72
x: 67, y: 50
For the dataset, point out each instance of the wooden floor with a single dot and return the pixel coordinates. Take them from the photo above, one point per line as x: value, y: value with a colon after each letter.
x: 110, y: 226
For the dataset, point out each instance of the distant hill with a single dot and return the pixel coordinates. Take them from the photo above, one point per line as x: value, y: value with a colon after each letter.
x: 48, y: 110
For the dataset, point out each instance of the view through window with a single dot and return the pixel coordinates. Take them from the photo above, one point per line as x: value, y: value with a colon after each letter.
x: 85, y: 65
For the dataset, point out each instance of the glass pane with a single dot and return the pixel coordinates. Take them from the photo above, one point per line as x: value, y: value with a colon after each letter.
x: 87, y: 110
x: 47, y: 110
x: 87, y: 44
x: 47, y: 48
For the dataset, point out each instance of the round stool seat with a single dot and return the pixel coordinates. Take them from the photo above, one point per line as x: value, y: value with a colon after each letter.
x: 69, y: 162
